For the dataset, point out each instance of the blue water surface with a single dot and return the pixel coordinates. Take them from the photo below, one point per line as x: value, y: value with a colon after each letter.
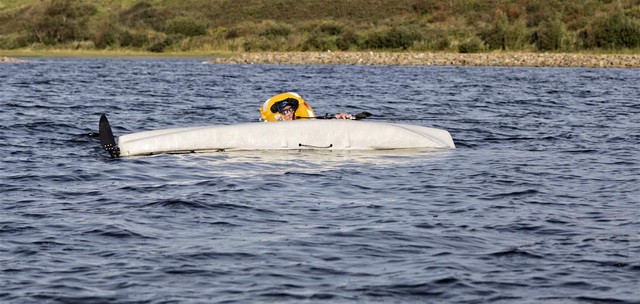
x: 539, y: 203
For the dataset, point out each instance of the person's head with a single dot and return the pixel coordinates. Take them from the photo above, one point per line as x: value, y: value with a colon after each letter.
x: 287, y: 108
x: 288, y: 113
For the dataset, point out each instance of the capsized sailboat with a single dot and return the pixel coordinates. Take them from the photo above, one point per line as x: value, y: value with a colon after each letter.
x: 326, y: 134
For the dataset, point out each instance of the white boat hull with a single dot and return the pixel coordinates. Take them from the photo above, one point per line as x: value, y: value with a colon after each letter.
x: 286, y: 135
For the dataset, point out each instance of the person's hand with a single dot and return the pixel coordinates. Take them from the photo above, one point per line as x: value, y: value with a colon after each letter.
x: 343, y: 116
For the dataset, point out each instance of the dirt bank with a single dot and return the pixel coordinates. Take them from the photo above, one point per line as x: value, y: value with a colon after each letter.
x: 437, y: 59
x: 9, y: 59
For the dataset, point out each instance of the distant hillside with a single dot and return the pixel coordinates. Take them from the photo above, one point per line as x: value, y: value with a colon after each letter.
x: 465, y: 26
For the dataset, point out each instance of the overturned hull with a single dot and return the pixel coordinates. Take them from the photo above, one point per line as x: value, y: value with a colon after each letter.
x: 285, y: 135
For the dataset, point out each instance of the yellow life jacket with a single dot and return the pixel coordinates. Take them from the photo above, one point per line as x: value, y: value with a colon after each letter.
x: 271, y: 107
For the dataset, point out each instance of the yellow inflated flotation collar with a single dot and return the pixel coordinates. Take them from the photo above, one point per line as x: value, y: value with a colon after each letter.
x: 269, y: 109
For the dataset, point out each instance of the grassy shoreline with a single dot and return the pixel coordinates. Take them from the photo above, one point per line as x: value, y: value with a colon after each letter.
x: 67, y: 52
x: 194, y: 28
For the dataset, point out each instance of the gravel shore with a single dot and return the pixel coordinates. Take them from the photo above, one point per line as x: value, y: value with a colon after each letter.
x: 9, y: 59
x: 436, y: 59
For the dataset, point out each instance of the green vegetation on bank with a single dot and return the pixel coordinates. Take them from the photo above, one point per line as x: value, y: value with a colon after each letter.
x: 201, y: 26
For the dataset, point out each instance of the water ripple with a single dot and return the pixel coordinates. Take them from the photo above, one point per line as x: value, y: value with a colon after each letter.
x: 537, y: 205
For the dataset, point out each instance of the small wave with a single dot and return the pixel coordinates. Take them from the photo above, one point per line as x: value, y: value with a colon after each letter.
x: 460, y: 143
x: 304, y: 174
x: 283, y: 295
x: 510, y: 138
x: 113, y: 231
x: 178, y: 204
x: 28, y: 105
x: 46, y: 244
x: 14, y: 228
x: 600, y: 300
x: 185, y: 204
x: 515, y: 253
x: 402, y: 290
x: 581, y: 151
x: 56, y: 296
x: 214, y: 255
x: 191, y: 271
x: 513, y: 194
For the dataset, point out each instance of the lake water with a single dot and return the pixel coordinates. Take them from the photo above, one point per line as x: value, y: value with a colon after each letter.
x: 539, y: 203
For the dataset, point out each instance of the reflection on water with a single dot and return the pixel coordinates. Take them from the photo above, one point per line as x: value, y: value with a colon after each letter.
x: 243, y: 163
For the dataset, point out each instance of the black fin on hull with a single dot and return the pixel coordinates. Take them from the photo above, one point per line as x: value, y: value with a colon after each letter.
x: 107, y: 140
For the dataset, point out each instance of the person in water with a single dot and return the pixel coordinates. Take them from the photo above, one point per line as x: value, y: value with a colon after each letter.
x: 290, y: 106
